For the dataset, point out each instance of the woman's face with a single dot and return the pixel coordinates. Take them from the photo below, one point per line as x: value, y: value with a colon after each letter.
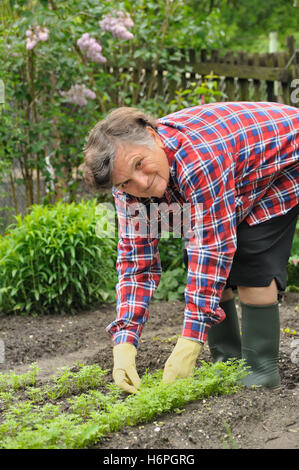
x: 141, y: 171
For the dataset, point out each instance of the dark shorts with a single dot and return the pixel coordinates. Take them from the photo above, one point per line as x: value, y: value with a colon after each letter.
x: 263, y: 251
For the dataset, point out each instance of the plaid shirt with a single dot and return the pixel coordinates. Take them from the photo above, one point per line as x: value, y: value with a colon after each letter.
x: 238, y: 160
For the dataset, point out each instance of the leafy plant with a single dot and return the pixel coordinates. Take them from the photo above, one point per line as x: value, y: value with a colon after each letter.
x: 207, y: 92
x: 56, y: 63
x: 12, y: 382
x: 230, y: 436
x: 172, y: 285
x: 53, y: 261
x: 67, y: 383
x: 88, y: 403
x: 94, y: 414
x: 293, y: 264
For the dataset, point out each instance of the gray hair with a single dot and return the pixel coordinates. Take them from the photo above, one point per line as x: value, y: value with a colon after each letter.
x: 121, y: 125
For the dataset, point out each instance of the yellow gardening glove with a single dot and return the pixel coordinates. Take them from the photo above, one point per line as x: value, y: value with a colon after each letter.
x: 181, y: 362
x: 124, y: 372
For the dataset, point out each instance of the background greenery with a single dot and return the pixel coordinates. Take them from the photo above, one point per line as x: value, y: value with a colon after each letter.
x: 42, y: 134
x: 51, y: 259
x: 53, y: 262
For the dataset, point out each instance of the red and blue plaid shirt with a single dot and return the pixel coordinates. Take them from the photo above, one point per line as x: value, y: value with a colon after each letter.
x: 239, y: 161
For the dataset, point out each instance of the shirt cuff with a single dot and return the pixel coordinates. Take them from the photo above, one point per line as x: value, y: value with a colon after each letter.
x: 197, y: 324
x: 123, y: 335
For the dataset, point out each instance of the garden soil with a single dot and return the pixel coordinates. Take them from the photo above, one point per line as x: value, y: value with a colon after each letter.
x: 251, y: 419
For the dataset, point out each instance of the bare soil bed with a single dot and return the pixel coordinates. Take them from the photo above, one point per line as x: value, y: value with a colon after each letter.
x: 252, y: 419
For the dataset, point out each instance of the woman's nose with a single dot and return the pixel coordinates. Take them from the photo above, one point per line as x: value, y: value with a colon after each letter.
x: 141, y: 181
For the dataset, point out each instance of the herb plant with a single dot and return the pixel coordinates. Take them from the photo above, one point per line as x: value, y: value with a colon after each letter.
x: 82, y: 420
x: 52, y: 261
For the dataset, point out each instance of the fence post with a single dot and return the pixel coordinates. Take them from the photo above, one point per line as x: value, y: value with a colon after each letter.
x: 256, y: 83
x: 290, y: 41
x: 243, y: 82
x: 269, y: 83
x: 273, y: 41
x: 229, y: 81
x: 273, y: 48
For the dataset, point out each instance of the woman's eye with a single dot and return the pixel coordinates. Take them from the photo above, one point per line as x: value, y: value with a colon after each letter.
x: 138, y: 164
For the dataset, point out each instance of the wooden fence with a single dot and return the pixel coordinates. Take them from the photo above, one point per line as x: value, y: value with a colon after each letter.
x: 242, y: 76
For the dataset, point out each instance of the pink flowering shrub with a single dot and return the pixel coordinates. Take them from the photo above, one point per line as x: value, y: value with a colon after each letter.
x: 35, y: 34
x: 91, y: 48
x: 77, y: 94
x: 79, y: 37
x: 117, y: 23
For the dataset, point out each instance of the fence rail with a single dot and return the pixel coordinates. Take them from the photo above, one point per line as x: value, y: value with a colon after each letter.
x: 243, y: 76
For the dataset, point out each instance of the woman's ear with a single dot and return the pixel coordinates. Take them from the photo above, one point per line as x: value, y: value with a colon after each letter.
x: 156, y: 137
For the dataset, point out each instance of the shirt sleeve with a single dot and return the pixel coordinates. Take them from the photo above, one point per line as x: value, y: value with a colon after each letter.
x: 207, y: 182
x: 139, y: 272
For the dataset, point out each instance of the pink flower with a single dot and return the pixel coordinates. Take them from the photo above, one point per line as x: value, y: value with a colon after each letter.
x: 31, y: 43
x: 36, y: 34
x: 91, y: 48
x: 77, y: 94
x: 43, y: 34
x: 117, y: 23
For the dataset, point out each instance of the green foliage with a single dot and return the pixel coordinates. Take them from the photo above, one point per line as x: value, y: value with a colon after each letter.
x: 74, y: 382
x: 37, y: 122
x: 170, y: 249
x: 52, y: 261
x: 40, y: 275
x: 295, y: 246
x: 87, y: 403
x: 293, y: 264
x: 12, y: 382
x: 94, y: 414
x: 251, y: 23
x: 293, y: 274
x: 172, y: 285
x: 173, y: 279
x: 206, y: 92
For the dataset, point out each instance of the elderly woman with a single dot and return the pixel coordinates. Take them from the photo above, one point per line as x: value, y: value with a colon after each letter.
x: 239, y: 163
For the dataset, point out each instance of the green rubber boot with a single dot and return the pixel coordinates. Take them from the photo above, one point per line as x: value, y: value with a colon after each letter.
x: 260, y: 344
x: 224, y: 338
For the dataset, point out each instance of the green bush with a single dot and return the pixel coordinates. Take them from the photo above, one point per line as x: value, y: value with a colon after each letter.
x: 173, y: 279
x: 293, y: 264
x: 52, y: 261
x: 293, y: 274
